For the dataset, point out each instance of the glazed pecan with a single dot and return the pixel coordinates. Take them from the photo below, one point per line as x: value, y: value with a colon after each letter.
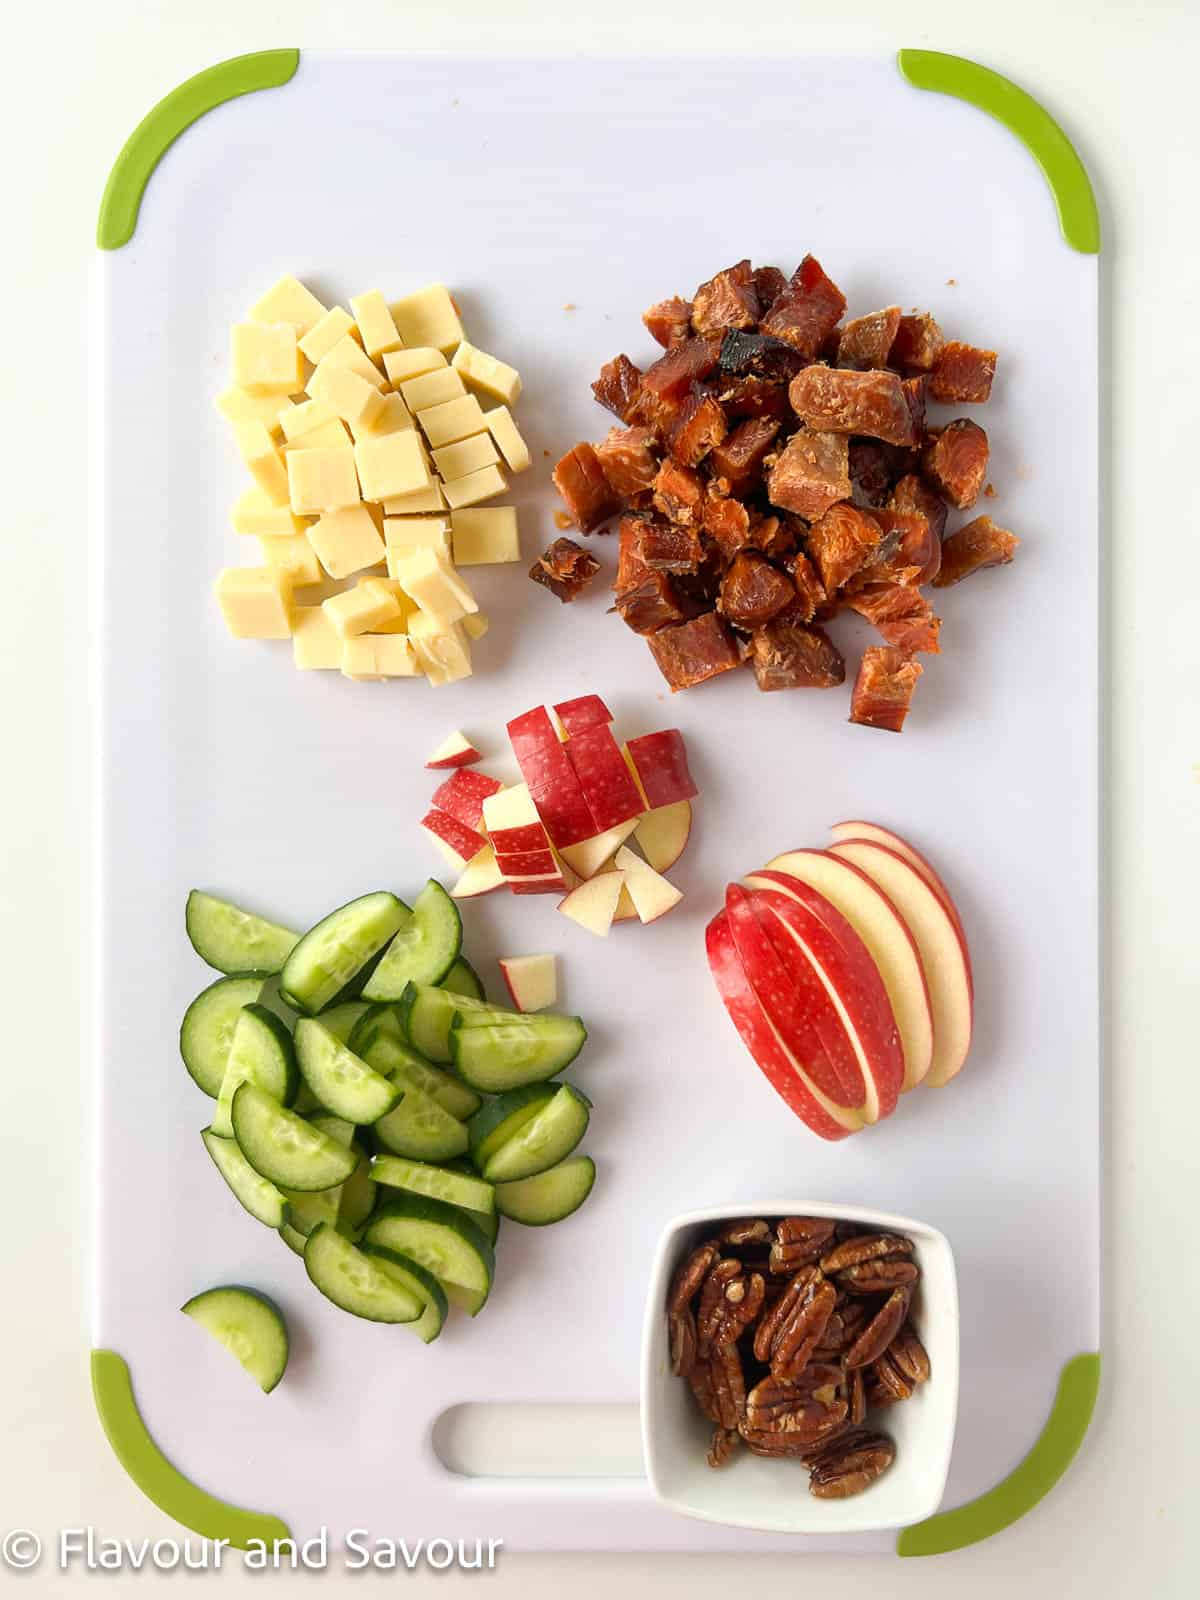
x: 774, y: 1444
x: 801, y: 1329
x: 775, y: 1316
x: 682, y: 1326
x: 799, y: 1240
x: 856, y: 1396
x: 909, y: 1354
x: 724, y: 1444
x: 773, y: 1406
x: 880, y: 1331
x: 864, y: 1247
x: 743, y: 1302
x: 729, y: 1385
x: 746, y: 1230
x: 849, y: 1463
x: 712, y: 1303
x: 878, y: 1277
x: 686, y: 1283
x: 884, y: 1381
x: 700, y: 1380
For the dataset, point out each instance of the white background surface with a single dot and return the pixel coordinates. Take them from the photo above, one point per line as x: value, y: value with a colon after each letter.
x: 1122, y: 88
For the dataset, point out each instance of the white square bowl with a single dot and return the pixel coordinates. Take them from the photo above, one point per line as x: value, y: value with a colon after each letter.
x: 772, y: 1495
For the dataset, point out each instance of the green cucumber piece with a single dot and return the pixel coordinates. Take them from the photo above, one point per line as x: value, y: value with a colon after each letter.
x: 256, y: 1194
x: 233, y: 940
x: 426, y: 1014
x: 439, y: 1237
x: 333, y: 959
x: 551, y: 1196
x: 358, y: 1196
x: 293, y: 1238
x: 544, y: 1141
x: 283, y: 1147
x: 498, y: 1056
x: 261, y: 1053
x: 413, y: 1276
x: 383, y: 1046
x: 424, y: 948
x: 418, y: 1177
x: 336, y: 1127
x: 341, y: 1081
x: 463, y: 979
x: 503, y: 1118
x: 308, y: 1208
x: 342, y: 1020
x: 488, y: 1222
x: 249, y: 1325
x: 420, y: 1129
x: 206, y: 1033
x: 355, y: 1283
x: 470, y: 1301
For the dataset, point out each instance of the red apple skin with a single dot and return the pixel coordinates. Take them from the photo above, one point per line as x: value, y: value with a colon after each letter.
x: 527, y: 863
x: 586, y: 711
x: 464, y: 841
x: 660, y: 761
x: 462, y: 796
x: 747, y: 1017
x: 854, y: 977
x: 798, y: 1007
x: 542, y: 758
x: 607, y: 783
x: 516, y: 841
x: 461, y: 758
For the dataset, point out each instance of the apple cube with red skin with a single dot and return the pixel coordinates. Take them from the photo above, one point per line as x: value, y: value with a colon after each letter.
x: 458, y: 843
x: 512, y: 821
x: 550, y: 883
x: 463, y: 794
x: 660, y: 761
x: 532, y: 981
x: 551, y: 779
x: 588, y: 711
x: 527, y: 863
x: 456, y: 750
x: 607, y: 783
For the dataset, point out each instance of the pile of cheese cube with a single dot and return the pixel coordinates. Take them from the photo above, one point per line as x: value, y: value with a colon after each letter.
x: 371, y: 455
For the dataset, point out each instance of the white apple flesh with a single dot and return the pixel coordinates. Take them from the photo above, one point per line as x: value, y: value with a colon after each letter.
x: 844, y: 832
x: 650, y: 892
x: 589, y: 855
x: 480, y: 876
x: 593, y: 905
x: 662, y: 835
x: 532, y: 981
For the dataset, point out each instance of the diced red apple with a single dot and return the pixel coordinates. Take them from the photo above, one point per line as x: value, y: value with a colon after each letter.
x: 458, y: 843
x: 480, y: 876
x: 463, y: 794
x: 593, y: 905
x: 662, y: 834
x: 551, y: 779
x: 532, y: 981
x: 843, y: 832
x: 455, y: 750
x: 587, y: 711
x: 512, y: 822
x: 589, y: 855
x: 527, y: 863
x: 555, y: 883
x: 650, y: 892
x: 608, y: 787
x: 660, y: 761
x: 942, y: 949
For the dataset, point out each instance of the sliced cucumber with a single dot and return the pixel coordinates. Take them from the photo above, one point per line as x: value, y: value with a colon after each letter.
x: 206, y: 1033
x: 335, y: 956
x: 498, y: 1056
x: 503, y: 1118
x: 336, y: 1127
x: 355, y: 1283
x: 358, y: 1196
x: 258, y: 1195
x: 309, y: 1208
x: 293, y: 1238
x: 261, y: 1053
x: 544, y: 1141
x: 233, y: 940
x: 418, y: 1177
x: 382, y: 1045
x: 341, y: 1081
x: 440, y: 1238
x: 250, y: 1326
x: 423, y: 950
x: 422, y: 1283
x: 420, y: 1129
x: 470, y: 1301
x: 342, y: 1020
x: 463, y: 979
x: 426, y: 1014
x: 283, y: 1147
x: 550, y: 1196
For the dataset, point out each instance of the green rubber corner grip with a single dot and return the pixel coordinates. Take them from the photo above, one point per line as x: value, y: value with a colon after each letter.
x: 173, y: 115
x: 1028, y: 1482
x: 1033, y: 125
x: 154, y: 1475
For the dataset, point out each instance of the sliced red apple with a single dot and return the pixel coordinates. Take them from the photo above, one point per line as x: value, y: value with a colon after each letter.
x: 843, y: 832
x: 527, y: 863
x: 943, y: 952
x: 553, y: 884
x: 551, y: 779
x: 660, y: 761
x: 463, y: 794
x: 885, y: 933
x: 611, y: 794
x: 650, y: 892
x: 454, y: 839
x: 593, y: 905
x: 512, y: 822
x: 455, y: 750
x: 532, y: 981
x: 662, y: 834
x: 587, y: 711
x: 781, y: 1070
x: 589, y: 855
x: 481, y: 875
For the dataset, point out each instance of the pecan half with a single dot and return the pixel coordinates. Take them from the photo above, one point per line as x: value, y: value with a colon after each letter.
x: 724, y: 1444
x: 864, y: 1247
x: 800, y: 1331
x: 809, y: 1411
x: 686, y: 1282
x: 743, y: 1302
x: 712, y: 1303
x: 910, y: 1355
x: 775, y: 1316
x: 773, y: 1444
x: 884, y: 1381
x: 682, y: 1327
x: 879, y: 1332
x: 799, y: 1241
x: 747, y: 1230
x: 878, y: 1277
x: 729, y: 1386
x: 856, y: 1394
x: 849, y: 1464
x: 701, y: 1383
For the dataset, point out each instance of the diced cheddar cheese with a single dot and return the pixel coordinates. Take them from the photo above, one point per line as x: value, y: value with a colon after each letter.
x: 295, y: 558
x: 371, y: 657
x: 347, y: 394
x: 443, y: 652
x: 403, y: 535
x: 255, y: 602
x: 507, y: 435
x: 328, y: 331
x: 391, y: 464
x: 429, y: 578
x: 289, y: 301
x: 408, y: 505
x: 348, y: 352
x: 475, y: 625
x: 432, y: 389
x: 304, y: 419
x: 265, y: 358
x: 428, y: 317
x: 456, y: 419
x: 315, y: 641
x: 346, y: 541
x: 484, y: 536
x: 322, y: 480
x: 394, y: 418
x: 255, y: 512
x: 405, y: 601
x: 476, y: 486
x: 468, y: 455
x: 326, y: 435
x: 360, y: 609
x: 375, y: 325
x: 260, y: 454
x: 400, y: 365
x: 484, y: 372
x: 236, y: 405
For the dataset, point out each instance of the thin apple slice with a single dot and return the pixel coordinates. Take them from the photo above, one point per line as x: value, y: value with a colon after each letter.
x: 480, y: 876
x: 844, y: 832
x: 589, y: 855
x: 885, y: 933
x: 455, y: 750
x: 662, y: 834
x: 626, y: 910
x: 593, y: 905
x: 608, y: 787
x: 943, y: 952
x: 532, y: 981
x: 458, y: 843
x: 781, y: 1070
x: 545, y: 767
x: 650, y: 892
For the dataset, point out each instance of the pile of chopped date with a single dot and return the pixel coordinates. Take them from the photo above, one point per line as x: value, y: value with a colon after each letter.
x: 774, y: 466
x: 790, y: 1333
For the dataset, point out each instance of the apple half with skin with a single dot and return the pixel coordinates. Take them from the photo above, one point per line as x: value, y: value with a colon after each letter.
x: 593, y: 905
x: 844, y: 832
x: 943, y: 950
x: 785, y: 1075
x: 455, y: 750
x: 532, y: 981
x: 662, y: 834
x: 886, y: 935
x: 480, y: 876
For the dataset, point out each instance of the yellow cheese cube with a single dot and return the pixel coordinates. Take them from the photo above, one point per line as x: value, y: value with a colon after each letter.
x: 456, y: 419
x: 360, y: 609
x: 391, y: 464
x: 322, y: 479
x: 326, y: 436
x: 484, y: 536
x: 236, y: 405
x: 428, y: 317
x: 474, y: 626
x: 431, y: 580
x: 347, y: 394
x: 265, y: 358
x: 358, y: 660
x: 443, y: 652
x: 484, y: 372
x: 468, y: 455
x: 430, y: 498
x: 394, y: 418
x: 289, y: 301
x: 400, y: 365
x: 372, y: 657
x: 329, y: 330
x: 346, y: 541
x: 403, y: 535
x: 295, y: 558
x: 506, y: 434
x: 375, y: 325
x: 255, y: 512
x: 346, y: 353
x: 258, y: 451
x: 432, y: 389
x: 255, y: 602
x: 305, y: 418
x: 404, y: 601
x: 474, y: 487
x: 315, y: 641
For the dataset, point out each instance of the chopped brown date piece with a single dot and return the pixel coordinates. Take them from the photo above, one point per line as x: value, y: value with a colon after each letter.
x: 884, y: 687
x: 777, y: 537
x: 728, y: 300
x: 679, y: 493
x: 628, y: 461
x: 699, y: 425
x: 956, y: 461
x: 652, y: 604
x: 753, y: 396
x: 917, y: 344
x: 753, y: 591
x: 979, y: 544
x: 739, y: 456
x: 565, y: 569
x: 911, y: 494
x: 755, y: 354
x: 872, y: 466
x: 585, y: 490
x: 810, y: 474
x: 902, y: 615
x: 914, y: 552
x: 670, y: 547
x: 769, y: 284
x: 788, y: 654
x: 866, y: 341
x: 669, y: 322
x: 810, y: 591
x: 617, y: 386
x: 842, y: 542
x: 667, y: 384
x: 727, y: 523
x: 962, y: 372
x: 836, y: 400
x: 915, y: 394
x: 631, y: 569
x: 807, y: 311
x: 694, y: 651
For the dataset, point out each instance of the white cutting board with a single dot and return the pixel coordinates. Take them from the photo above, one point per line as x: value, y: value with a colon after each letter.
x: 558, y: 199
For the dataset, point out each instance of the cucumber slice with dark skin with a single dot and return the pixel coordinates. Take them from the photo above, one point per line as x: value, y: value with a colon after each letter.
x: 256, y: 1194
x: 420, y: 1177
x: 293, y: 1238
x: 261, y: 1053
x: 358, y: 1196
x: 440, y: 1237
x: 426, y: 1014
x: 544, y: 1141
x: 463, y: 979
x: 341, y: 1081
x: 333, y: 960
x: 424, y: 948
x: 551, y: 1196
x: 249, y: 1325
x: 382, y: 1045
x: 499, y: 1056
x: 420, y: 1129
x: 414, y: 1276
x: 283, y: 1147
x: 342, y: 1020
x: 206, y: 1033
x: 355, y: 1283
x: 233, y: 940
x: 502, y: 1119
